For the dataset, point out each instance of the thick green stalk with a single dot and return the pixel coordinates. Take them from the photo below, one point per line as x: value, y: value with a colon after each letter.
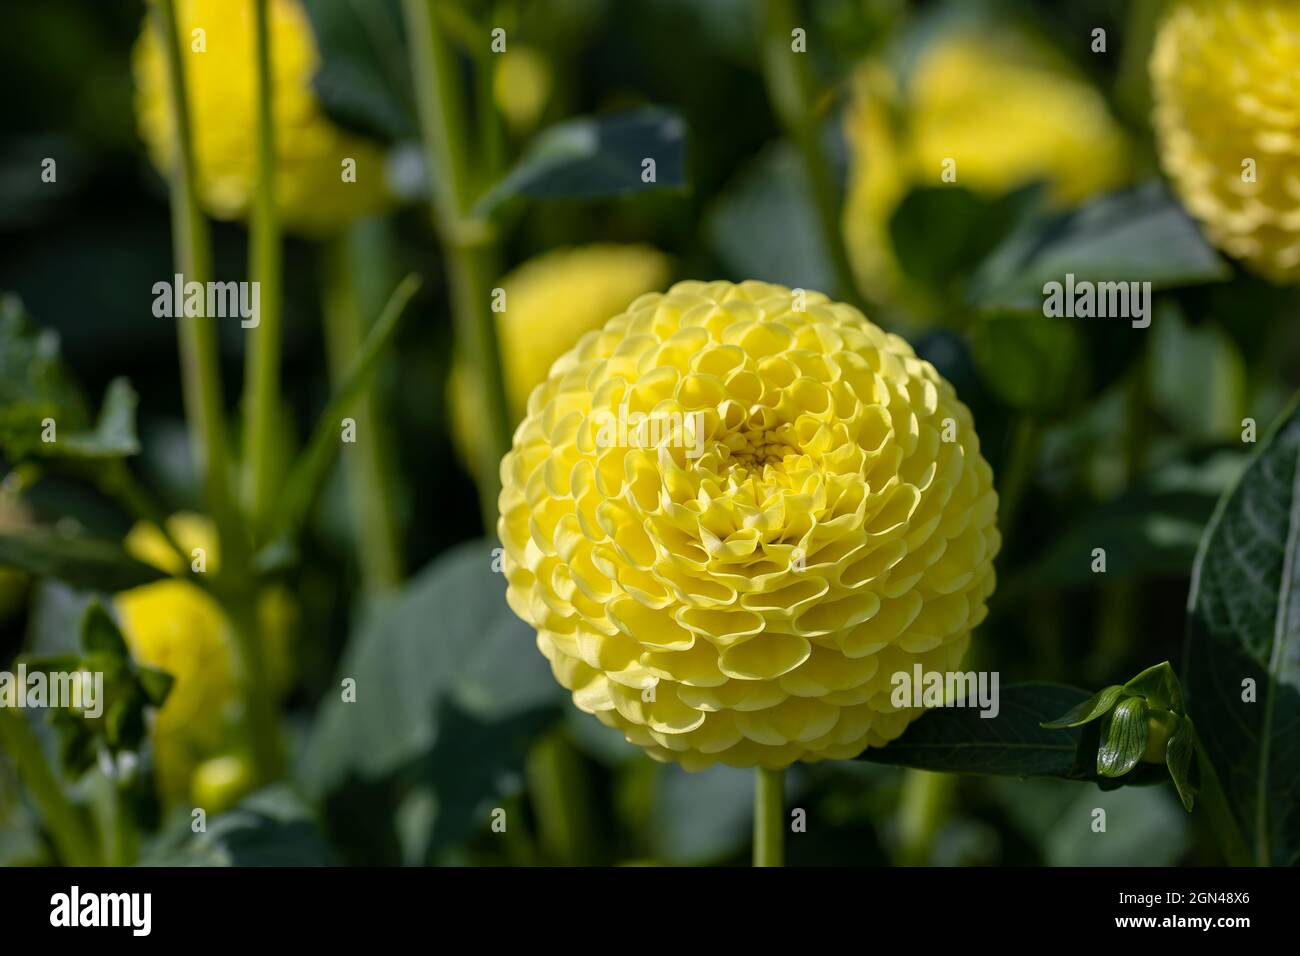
x: 769, y: 817
x: 925, y: 801
x: 200, y: 367
x: 262, y: 373
x: 67, y: 827
x: 201, y: 377
x: 790, y: 86
x: 369, y: 464
x: 561, y: 802
x: 1018, y: 471
x: 469, y: 245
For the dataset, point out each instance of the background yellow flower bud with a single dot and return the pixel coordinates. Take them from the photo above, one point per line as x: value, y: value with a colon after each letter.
x: 178, y: 627
x: 550, y: 301
x: 521, y: 87
x: 219, y: 783
x: 1003, y: 107
x: 751, y: 603
x: 1227, y: 117
x: 310, y: 150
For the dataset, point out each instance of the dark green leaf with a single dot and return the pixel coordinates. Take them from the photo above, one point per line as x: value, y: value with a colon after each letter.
x: 449, y: 636
x: 1178, y: 758
x: 765, y: 225
x: 1123, y: 738
x: 1014, y: 743
x: 99, y: 633
x: 1092, y: 708
x: 1030, y: 362
x: 363, y: 81
x: 87, y: 563
x: 272, y: 827
x: 1152, y: 529
x: 941, y: 233
x: 1242, y: 671
x: 155, y: 683
x: 595, y: 157
x: 1142, y: 235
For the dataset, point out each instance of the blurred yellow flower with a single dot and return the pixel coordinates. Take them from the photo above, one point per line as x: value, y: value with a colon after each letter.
x: 550, y: 301
x: 178, y: 627
x: 1226, y: 82
x: 521, y: 87
x: 1004, y: 109
x: 737, y: 576
x: 313, y: 197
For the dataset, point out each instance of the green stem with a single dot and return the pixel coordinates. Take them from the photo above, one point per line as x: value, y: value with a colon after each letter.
x: 559, y: 797
x: 309, y: 470
x: 925, y: 801
x: 368, y: 464
x: 790, y: 86
x: 769, y: 817
x: 200, y: 367
x: 67, y: 826
x: 1015, y: 475
x: 262, y: 373
x: 469, y: 245
x: 261, y: 720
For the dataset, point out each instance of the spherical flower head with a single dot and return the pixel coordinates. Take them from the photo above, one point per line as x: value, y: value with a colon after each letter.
x: 1002, y: 106
x: 1226, y: 83
x: 734, y: 512
x: 549, y: 302
x: 178, y: 627
x: 220, y: 84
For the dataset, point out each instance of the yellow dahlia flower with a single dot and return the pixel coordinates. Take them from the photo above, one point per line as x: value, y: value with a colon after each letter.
x: 313, y: 197
x: 550, y: 301
x: 1226, y: 83
x: 737, y: 576
x: 1000, y: 105
x: 177, y: 627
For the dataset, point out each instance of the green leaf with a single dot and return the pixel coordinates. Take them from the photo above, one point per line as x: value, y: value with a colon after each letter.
x: 1242, y: 662
x: 1095, y: 706
x: 1159, y: 685
x: 596, y: 157
x: 941, y: 233
x: 1124, y: 738
x: 363, y: 81
x: 155, y: 683
x: 114, y: 434
x: 1014, y: 743
x: 1152, y: 529
x: 764, y: 226
x: 448, y: 637
x: 100, y: 634
x: 34, y: 384
x: 272, y: 827
x: 1142, y: 235
x: 1204, y: 354
x: 700, y: 818
x: 1031, y: 363
x: 87, y: 563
